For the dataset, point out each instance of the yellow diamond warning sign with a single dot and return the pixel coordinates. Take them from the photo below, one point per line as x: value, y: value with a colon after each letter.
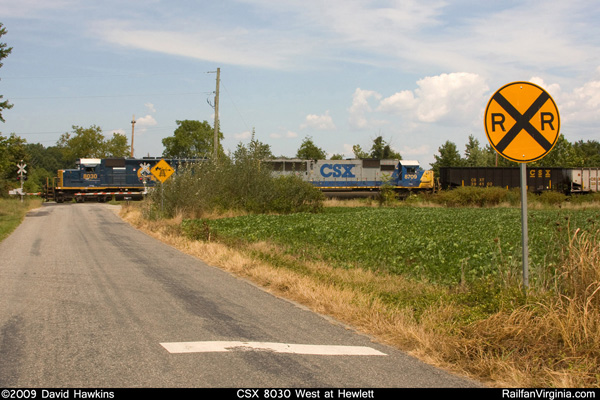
x: 522, y: 122
x: 162, y: 170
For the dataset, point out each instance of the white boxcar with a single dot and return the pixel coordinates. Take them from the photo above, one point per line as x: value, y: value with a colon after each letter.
x: 584, y: 180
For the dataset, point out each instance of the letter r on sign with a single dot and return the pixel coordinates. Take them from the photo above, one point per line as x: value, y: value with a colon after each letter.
x: 547, y: 118
x: 498, y: 119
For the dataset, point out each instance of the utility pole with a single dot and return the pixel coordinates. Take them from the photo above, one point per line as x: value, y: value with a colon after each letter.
x: 216, y: 141
x: 132, y: 125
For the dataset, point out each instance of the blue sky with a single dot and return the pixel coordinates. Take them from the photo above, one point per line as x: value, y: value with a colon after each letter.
x: 342, y: 72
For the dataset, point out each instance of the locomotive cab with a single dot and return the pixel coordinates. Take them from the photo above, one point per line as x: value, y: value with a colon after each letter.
x: 88, y: 169
x: 408, y: 173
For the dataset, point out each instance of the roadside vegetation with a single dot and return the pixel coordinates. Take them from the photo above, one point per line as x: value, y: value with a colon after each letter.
x: 438, y: 276
x: 237, y: 184
x: 12, y: 212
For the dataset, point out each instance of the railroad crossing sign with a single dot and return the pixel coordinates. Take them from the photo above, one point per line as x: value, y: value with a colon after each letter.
x: 144, y: 172
x: 22, y: 169
x: 162, y: 171
x: 145, y: 168
x: 522, y: 122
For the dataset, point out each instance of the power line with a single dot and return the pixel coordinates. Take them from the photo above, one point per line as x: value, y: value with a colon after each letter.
x: 133, y: 75
x: 235, y: 106
x: 104, y: 130
x: 108, y: 96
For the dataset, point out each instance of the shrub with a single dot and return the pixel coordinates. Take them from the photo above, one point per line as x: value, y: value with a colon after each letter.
x: 551, y: 198
x: 585, y: 198
x: 239, y: 184
x: 476, y: 196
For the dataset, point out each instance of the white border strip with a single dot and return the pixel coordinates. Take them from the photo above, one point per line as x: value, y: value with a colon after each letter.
x: 323, y: 350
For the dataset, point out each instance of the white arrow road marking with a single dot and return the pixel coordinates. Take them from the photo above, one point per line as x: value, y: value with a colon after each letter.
x: 208, y: 347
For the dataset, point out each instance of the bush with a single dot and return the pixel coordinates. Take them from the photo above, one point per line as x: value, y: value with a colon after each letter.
x: 477, y: 196
x: 551, y: 198
x: 585, y: 198
x: 291, y: 194
x: 239, y: 184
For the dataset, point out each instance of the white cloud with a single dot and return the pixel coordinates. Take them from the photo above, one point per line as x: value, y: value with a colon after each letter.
x: 150, y: 108
x: 148, y: 120
x: 31, y: 8
x: 297, y: 32
x: 420, y: 36
x: 421, y: 150
x: 360, y: 107
x: 142, y: 124
x: 319, y: 122
x: 286, y: 135
x: 398, y: 102
x: 236, y: 46
x: 243, y: 135
x: 581, y: 107
x: 454, y: 96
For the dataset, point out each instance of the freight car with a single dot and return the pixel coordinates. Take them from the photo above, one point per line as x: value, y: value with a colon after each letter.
x: 357, y: 174
x: 565, y: 180
x: 102, y: 179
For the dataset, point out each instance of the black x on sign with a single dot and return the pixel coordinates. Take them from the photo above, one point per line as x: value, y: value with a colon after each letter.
x: 522, y: 122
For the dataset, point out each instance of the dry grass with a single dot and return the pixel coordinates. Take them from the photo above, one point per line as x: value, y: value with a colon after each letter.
x: 553, y: 341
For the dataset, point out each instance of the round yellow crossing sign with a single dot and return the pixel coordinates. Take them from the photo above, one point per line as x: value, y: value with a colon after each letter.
x: 522, y: 122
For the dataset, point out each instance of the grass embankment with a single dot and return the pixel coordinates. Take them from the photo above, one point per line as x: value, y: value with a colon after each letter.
x: 440, y: 283
x: 12, y: 212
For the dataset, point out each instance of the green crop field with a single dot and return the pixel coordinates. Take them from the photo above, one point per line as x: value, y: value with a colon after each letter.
x: 441, y: 245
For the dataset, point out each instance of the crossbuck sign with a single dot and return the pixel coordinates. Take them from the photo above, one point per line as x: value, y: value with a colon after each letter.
x: 522, y: 122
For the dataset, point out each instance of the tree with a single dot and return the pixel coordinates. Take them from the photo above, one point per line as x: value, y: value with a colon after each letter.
x: 359, y: 152
x: 588, y: 152
x: 44, y: 162
x: 191, y: 139
x: 255, y: 150
x: 4, y: 52
x: 475, y: 156
x: 91, y: 143
x: 12, y: 152
x: 117, y: 146
x: 449, y: 157
x: 309, y: 151
x: 562, y: 155
x: 382, y: 150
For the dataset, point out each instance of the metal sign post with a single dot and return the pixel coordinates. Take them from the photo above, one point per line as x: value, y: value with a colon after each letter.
x: 524, y: 228
x: 522, y: 124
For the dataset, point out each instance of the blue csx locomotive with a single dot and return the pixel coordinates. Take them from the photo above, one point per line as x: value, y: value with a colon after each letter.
x: 102, y: 179
x: 357, y: 174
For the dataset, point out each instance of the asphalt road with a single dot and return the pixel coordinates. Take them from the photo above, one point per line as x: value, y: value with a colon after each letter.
x: 88, y: 301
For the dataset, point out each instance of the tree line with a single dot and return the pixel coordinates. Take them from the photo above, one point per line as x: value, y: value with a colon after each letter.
x: 194, y: 139
x: 43, y: 162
